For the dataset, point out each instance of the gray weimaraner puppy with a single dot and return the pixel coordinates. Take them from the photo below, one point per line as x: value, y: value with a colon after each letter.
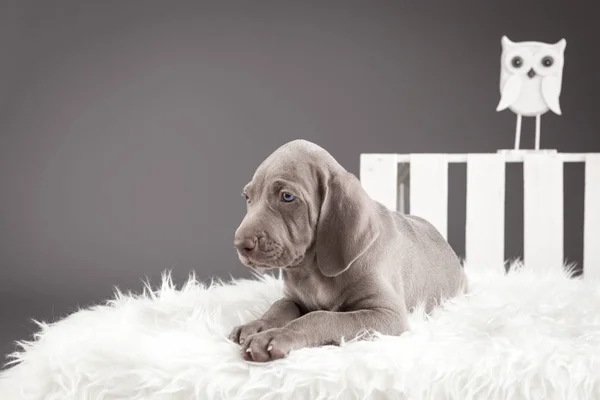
x: 350, y: 265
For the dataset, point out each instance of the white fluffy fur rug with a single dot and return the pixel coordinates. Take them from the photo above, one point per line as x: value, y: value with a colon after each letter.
x: 517, y: 336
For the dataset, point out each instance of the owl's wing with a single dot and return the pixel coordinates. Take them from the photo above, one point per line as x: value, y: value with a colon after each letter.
x: 510, y: 92
x: 551, y: 93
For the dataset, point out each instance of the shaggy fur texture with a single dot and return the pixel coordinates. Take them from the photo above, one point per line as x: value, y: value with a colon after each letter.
x: 523, y: 335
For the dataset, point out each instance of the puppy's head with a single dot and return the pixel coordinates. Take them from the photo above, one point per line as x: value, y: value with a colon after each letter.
x: 301, y: 203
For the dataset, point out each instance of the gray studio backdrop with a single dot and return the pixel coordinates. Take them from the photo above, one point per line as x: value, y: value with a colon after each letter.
x: 128, y: 128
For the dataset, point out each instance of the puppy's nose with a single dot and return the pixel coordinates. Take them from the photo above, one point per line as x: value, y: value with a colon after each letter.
x: 531, y: 73
x: 245, y: 245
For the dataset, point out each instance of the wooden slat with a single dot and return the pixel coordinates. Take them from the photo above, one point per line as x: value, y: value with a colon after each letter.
x: 484, y: 235
x: 591, y: 236
x: 429, y: 189
x: 543, y: 211
x: 512, y: 156
x: 379, y: 178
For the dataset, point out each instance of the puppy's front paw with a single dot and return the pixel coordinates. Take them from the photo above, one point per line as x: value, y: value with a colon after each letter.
x: 240, y: 333
x: 272, y: 344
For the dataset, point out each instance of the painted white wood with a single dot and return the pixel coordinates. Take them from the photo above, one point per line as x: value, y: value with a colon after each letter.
x: 379, y: 178
x: 403, y: 183
x: 429, y: 189
x: 543, y: 202
x: 511, y: 156
x: 543, y: 211
x: 484, y: 234
x: 591, y: 224
x: 518, y: 133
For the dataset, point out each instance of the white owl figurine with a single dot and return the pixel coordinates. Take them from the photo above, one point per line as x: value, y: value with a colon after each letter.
x: 531, y: 80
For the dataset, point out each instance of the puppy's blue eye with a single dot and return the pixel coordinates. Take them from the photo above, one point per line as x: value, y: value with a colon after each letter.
x: 287, y: 197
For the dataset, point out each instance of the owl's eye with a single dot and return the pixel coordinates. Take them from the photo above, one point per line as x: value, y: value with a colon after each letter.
x: 547, y: 61
x: 517, y: 62
x: 287, y: 197
x: 246, y: 197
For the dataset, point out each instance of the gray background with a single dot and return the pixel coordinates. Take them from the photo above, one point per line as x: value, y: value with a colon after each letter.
x: 127, y: 129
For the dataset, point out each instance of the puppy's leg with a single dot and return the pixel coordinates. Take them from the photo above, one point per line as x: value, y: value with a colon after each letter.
x: 279, y: 314
x: 320, y: 328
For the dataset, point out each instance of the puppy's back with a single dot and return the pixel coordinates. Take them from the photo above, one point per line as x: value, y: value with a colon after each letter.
x: 431, y: 270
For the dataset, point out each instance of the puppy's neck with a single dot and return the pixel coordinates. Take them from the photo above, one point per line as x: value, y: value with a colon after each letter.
x: 309, y: 288
x: 308, y: 267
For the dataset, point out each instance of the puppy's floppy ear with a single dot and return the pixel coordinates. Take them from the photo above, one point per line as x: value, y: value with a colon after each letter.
x: 348, y: 224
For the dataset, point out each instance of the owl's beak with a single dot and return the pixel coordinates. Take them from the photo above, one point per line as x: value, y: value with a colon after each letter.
x: 531, y: 73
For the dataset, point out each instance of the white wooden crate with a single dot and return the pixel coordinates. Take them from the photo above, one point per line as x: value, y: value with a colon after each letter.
x: 385, y: 177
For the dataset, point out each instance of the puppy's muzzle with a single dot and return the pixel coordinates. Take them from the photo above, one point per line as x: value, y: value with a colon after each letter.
x: 246, y: 246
